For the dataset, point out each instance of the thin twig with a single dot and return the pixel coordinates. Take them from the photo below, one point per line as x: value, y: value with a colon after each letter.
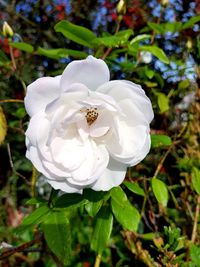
x: 160, y: 164
x: 11, y: 101
x: 196, y: 218
x: 13, y: 167
x: 33, y: 182
x: 21, y: 248
x: 109, y: 50
x: 12, y: 58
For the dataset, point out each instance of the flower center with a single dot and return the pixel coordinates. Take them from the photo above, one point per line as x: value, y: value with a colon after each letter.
x: 91, y: 115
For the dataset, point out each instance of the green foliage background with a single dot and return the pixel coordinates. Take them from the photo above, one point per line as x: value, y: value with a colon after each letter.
x: 153, y: 218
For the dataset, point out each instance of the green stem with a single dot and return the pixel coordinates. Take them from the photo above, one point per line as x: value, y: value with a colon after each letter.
x: 97, y: 260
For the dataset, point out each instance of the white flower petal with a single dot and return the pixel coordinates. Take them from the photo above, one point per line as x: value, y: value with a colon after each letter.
x: 91, y: 72
x: 132, y: 141
x: 120, y: 90
x: 65, y: 186
x: 113, y: 176
x: 96, y: 161
x: 40, y: 93
x: 102, y: 124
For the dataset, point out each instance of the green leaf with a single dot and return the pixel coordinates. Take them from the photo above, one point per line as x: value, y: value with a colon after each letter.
x: 162, y: 28
x: 33, y: 219
x: 92, y: 208
x: 172, y: 26
x: 33, y: 201
x: 78, y: 34
x: 190, y: 23
x: 94, y: 196
x: 160, y: 191
x: 36, y: 216
x: 102, y: 229
x: 60, y: 53
x: 3, y: 126
x: 159, y: 140
x: 149, y: 73
x: 57, y: 234
x: 195, y: 255
x: 183, y: 84
x: 124, y: 35
x: 108, y: 41
x: 140, y: 38
x: 156, y: 51
x: 23, y: 46
x: 127, y: 215
x: 156, y: 27
x: 68, y: 200
x: 196, y: 179
x: 163, y: 102
x: 135, y: 188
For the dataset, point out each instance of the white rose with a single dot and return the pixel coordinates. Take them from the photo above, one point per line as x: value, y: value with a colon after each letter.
x: 84, y: 129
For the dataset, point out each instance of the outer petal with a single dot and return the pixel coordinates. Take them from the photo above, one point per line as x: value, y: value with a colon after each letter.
x: 40, y: 93
x: 91, y: 72
x: 130, y: 143
x: 121, y: 90
x: 65, y: 187
x: 111, y: 177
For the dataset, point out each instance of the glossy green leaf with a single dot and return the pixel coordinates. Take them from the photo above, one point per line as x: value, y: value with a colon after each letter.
x: 156, y: 27
x: 70, y: 199
x: 33, y: 201
x: 92, y: 208
x: 23, y: 46
x: 196, y: 179
x: 33, y: 219
x: 159, y: 140
x: 78, y: 34
x: 94, y: 196
x: 127, y: 215
x: 163, y: 102
x: 156, y: 51
x: 102, y: 229
x: 140, y: 38
x: 135, y: 188
x: 57, y: 234
x: 191, y: 22
x: 149, y: 73
x: 108, y: 41
x: 183, y: 84
x: 160, y: 191
x: 61, y: 53
x: 36, y: 216
x: 163, y: 28
x: 124, y: 35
